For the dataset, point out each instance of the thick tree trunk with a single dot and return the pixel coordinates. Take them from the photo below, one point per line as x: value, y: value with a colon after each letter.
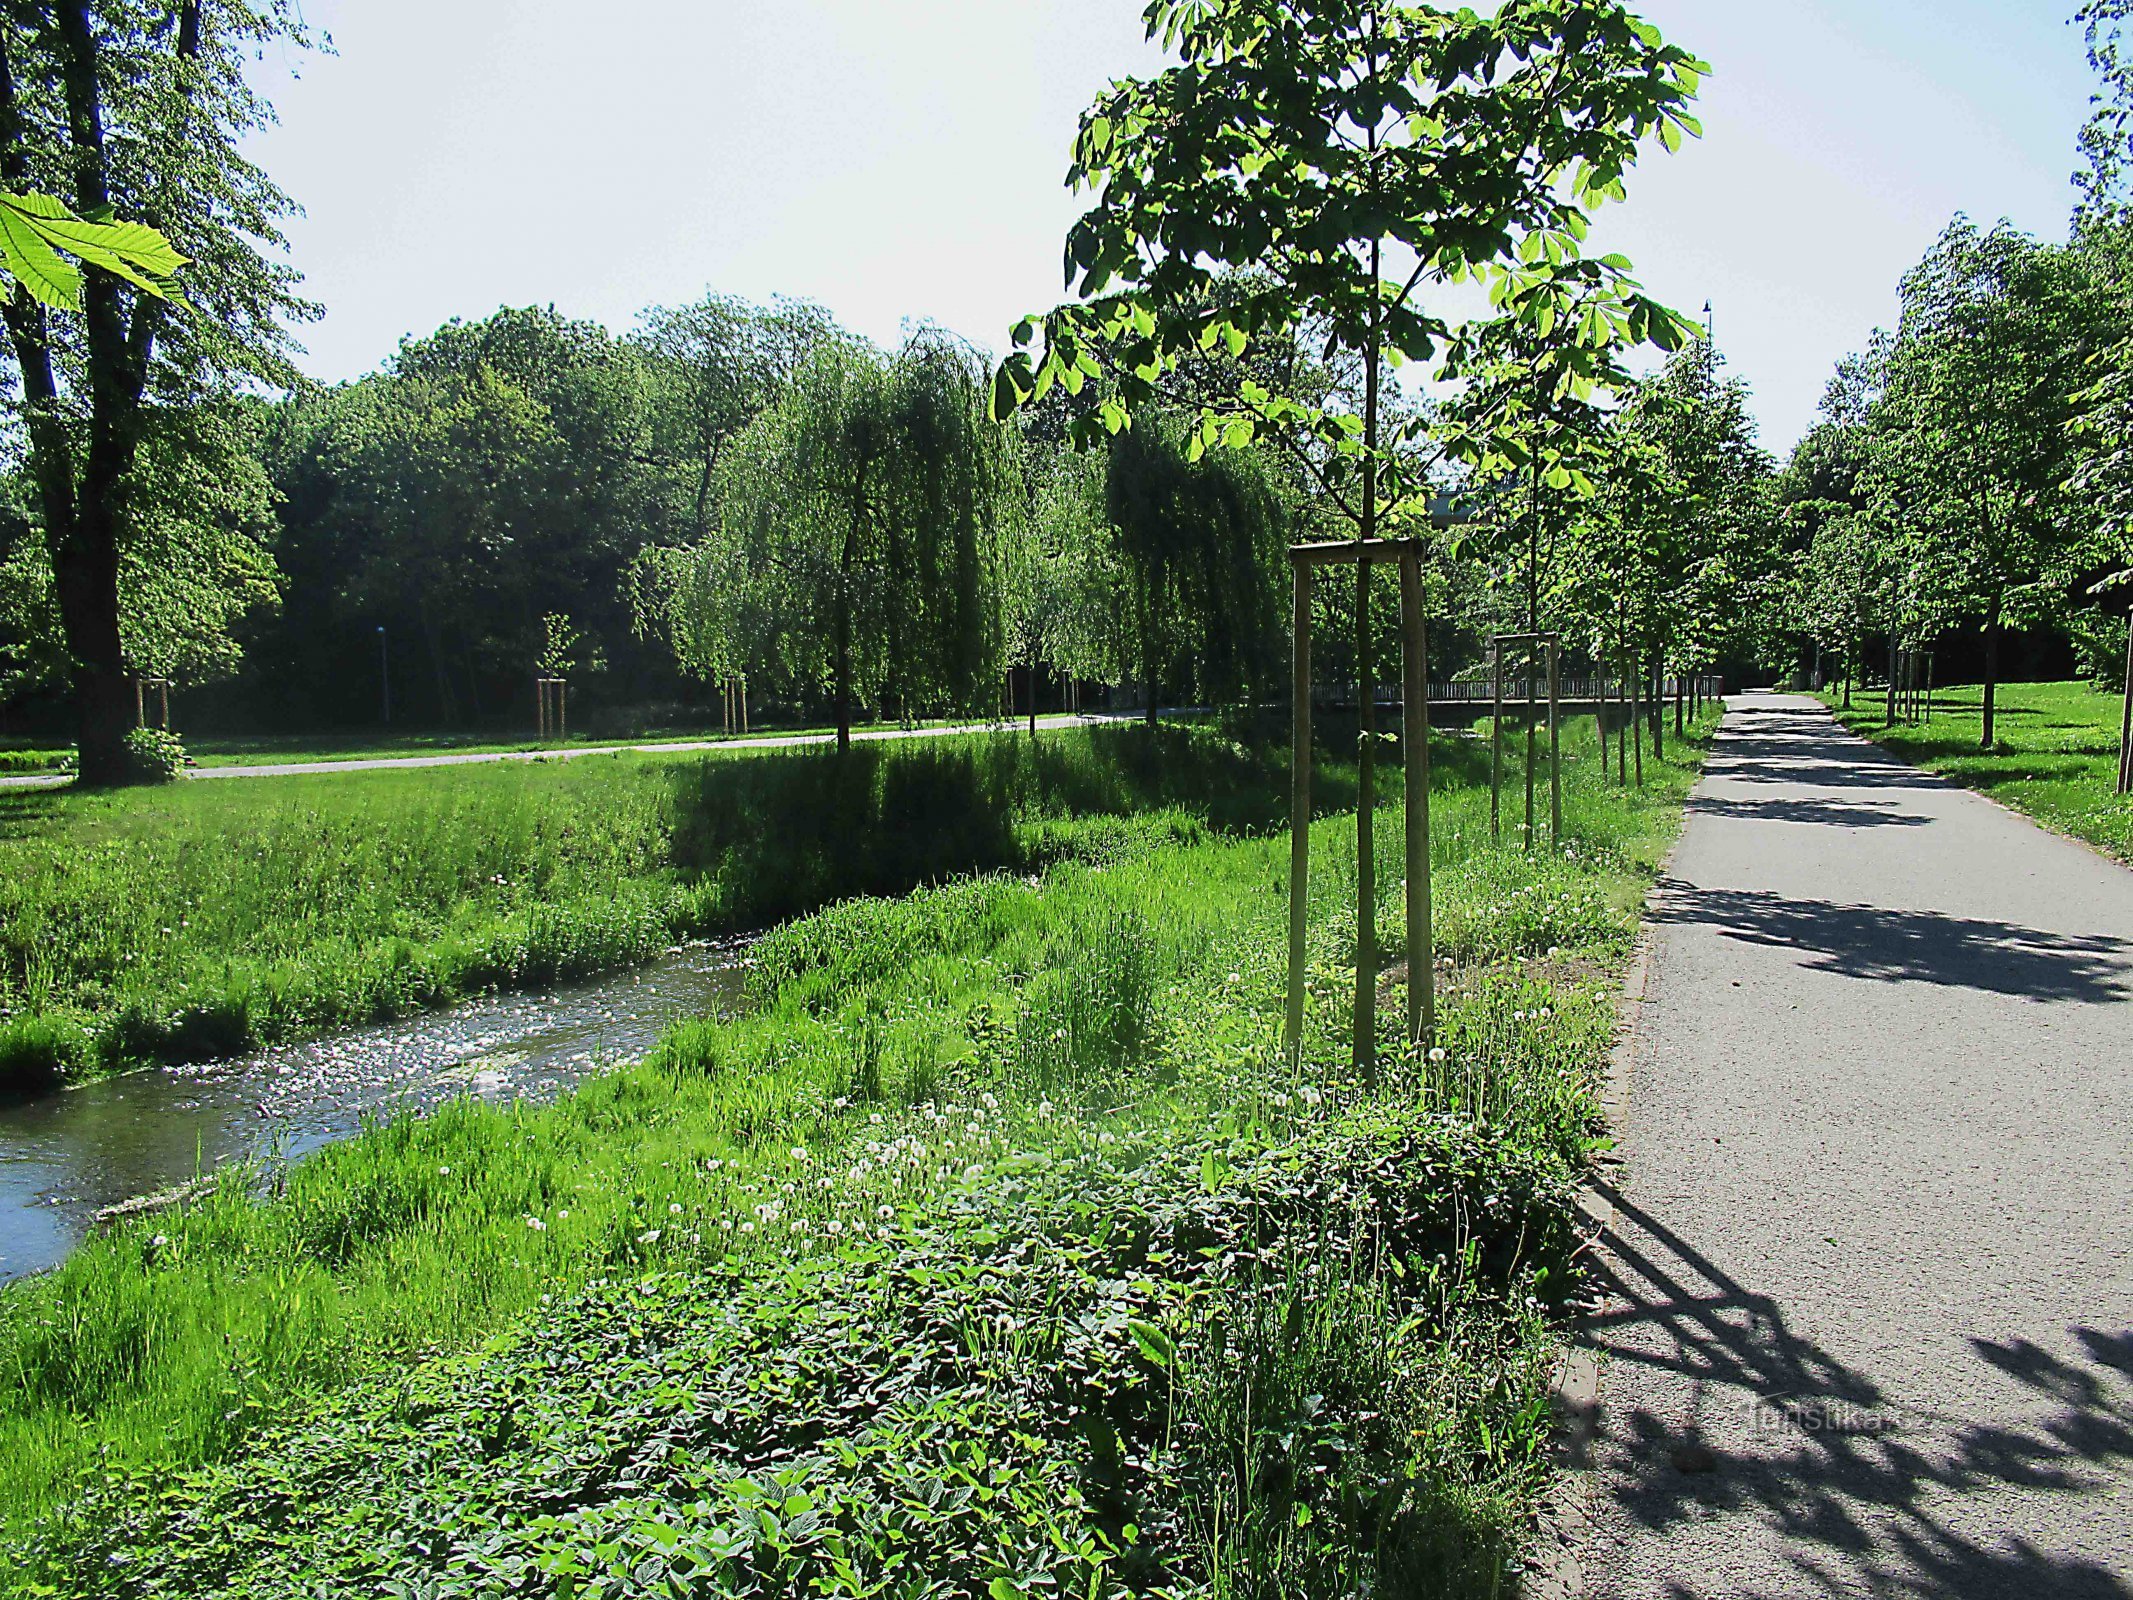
x: 79, y: 496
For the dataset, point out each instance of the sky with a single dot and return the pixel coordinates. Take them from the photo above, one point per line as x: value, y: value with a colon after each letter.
x: 903, y: 161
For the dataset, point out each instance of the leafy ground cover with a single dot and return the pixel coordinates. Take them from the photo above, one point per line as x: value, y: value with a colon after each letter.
x: 198, y: 920
x: 2054, y: 754
x: 996, y: 1250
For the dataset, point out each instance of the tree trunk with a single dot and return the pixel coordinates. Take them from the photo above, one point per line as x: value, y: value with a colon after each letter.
x: 1992, y: 670
x: 79, y: 499
x: 1636, y: 717
x: 841, y: 621
x: 2125, y: 721
x: 1366, y: 880
x: 1032, y: 670
x: 1658, y: 712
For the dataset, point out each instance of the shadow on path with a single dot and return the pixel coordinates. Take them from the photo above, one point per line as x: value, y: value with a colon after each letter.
x: 1912, y: 946
x: 1827, y: 813
x: 1864, y: 1491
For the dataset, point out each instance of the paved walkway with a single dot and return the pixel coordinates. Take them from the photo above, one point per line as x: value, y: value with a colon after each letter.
x: 780, y: 741
x: 1871, y: 1319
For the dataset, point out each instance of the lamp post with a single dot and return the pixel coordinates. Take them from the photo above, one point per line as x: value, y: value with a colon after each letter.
x: 385, y: 678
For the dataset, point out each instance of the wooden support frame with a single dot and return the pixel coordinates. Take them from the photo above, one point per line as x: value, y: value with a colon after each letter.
x: 1421, y: 1019
x: 141, y: 687
x: 550, y: 707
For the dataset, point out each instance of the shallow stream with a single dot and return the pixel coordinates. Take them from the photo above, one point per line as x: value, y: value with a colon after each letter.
x: 68, y: 1157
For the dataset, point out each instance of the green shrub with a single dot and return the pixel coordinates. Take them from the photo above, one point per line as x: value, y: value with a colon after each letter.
x: 154, y: 755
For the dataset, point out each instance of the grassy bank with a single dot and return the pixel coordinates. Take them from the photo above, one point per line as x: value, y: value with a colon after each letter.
x: 2054, y: 754
x: 284, y: 749
x: 203, y: 919
x: 998, y: 1248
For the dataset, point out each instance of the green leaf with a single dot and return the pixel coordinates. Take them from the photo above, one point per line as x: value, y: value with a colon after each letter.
x: 1154, y: 1343
x: 36, y: 265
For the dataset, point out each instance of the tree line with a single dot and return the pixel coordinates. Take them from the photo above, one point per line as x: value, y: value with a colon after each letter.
x: 732, y: 492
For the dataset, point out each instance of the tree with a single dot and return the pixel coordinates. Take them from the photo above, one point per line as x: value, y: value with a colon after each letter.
x: 860, y: 546
x: 135, y: 111
x: 1972, y: 428
x: 196, y: 561
x: 720, y: 361
x: 495, y: 471
x: 1350, y: 153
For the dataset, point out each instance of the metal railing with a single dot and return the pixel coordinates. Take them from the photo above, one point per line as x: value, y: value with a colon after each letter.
x: 1481, y: 691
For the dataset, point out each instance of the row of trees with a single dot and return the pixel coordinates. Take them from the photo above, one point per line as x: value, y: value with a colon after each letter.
x: 1971, y: 476
x: 739, y: 491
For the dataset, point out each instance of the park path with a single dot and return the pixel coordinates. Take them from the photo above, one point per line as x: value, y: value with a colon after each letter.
x: 778, y: 741
x: 1868, y: 1323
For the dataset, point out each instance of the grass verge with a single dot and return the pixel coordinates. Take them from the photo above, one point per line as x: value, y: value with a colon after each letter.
x: 2054, y: 754
x: 200, y: 920
x: 997, y: 1251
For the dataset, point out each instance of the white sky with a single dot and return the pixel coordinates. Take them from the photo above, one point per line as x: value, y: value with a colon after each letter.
x: 902, y: 159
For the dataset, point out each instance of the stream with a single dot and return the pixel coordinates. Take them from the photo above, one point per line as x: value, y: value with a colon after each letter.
x: 69, y: 1156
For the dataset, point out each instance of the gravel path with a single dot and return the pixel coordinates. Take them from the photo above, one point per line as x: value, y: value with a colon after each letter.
x: 778, y: 741
x: 1870, y: 1316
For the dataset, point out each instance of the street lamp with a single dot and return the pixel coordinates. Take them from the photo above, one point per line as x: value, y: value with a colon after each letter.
x: 385, y: 677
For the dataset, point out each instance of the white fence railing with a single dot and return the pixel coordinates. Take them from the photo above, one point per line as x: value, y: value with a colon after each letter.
x: 1516, y: 691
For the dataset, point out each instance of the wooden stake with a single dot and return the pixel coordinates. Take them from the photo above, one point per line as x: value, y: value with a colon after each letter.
x: 1495, y: 743
x: 1555, y: 750
x: 1532, y: 733
x: 1299, y: 814
x: 1421, y: 946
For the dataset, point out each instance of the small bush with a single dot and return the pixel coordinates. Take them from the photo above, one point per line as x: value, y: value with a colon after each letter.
x: 154, y: 755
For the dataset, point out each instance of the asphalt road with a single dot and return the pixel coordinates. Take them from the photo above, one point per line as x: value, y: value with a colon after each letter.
x: 1870, y: 1321
x: 780, y: 741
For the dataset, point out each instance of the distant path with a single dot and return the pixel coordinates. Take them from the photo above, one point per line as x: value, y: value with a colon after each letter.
x: 1870, y: 1328
x: 780, y: 741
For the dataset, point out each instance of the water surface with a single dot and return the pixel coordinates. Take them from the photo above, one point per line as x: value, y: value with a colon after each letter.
x: 67, y: 1156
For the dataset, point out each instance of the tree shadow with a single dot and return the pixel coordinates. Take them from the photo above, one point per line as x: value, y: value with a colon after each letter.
x: 1886, y: 946
x: 1865, y: 1492
x: 1824, y: 813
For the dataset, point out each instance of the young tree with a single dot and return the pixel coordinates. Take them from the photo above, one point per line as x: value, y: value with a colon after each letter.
x: 1972, y: 429
x: 1351, y: 153
x: 135, y: 111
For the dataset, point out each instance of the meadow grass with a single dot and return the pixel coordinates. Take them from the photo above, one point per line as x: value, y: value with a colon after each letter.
x: 276, y: 749
x: 198, y: 920
x: 925, y: 1084
x: 2054, y: 754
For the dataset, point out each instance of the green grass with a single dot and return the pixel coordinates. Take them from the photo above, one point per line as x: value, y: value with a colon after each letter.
x: 281, y: 749
x: 273, y: 749
x: 2054, y: 754
x: 1112, y: 1299
x: 202, y: 919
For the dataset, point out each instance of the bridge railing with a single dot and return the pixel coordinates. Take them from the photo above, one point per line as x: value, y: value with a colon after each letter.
x: 1482, y: 691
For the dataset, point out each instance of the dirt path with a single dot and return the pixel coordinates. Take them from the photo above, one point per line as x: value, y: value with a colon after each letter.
x: 1870, y: 1326
x: 780, y: 741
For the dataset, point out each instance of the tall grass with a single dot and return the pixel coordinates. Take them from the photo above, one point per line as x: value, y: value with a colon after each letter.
x: 200, y: 920
x: 1129, y: 992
